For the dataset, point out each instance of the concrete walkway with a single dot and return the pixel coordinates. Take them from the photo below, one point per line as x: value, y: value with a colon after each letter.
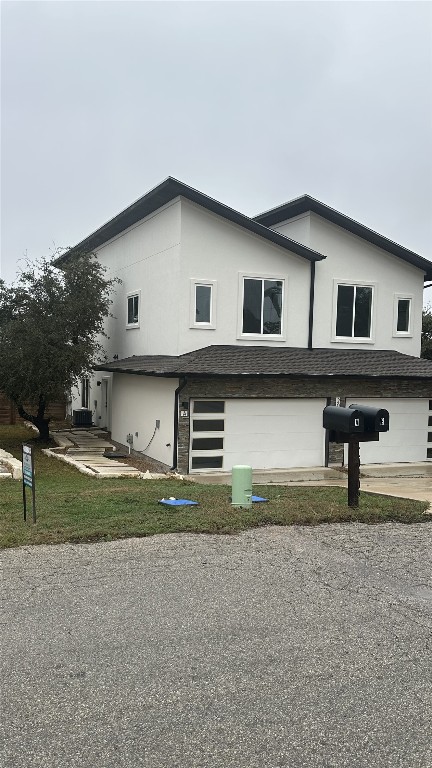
x: 85, y: 450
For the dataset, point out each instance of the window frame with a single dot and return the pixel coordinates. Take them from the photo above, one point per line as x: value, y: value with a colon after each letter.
x: 85, y: 393
x: 193, y: 323
x: 131, y: 295
x: 404, y: 297
x: 242, y: 276
x: 354, y: 284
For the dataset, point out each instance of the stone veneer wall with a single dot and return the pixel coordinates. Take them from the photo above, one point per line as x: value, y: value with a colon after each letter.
x: 226, y: 387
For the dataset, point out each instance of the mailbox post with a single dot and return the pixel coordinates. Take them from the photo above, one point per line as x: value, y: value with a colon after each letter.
x: 353, y: 425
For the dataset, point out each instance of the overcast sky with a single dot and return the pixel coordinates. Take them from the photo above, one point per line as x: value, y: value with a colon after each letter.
x: 251, y: 103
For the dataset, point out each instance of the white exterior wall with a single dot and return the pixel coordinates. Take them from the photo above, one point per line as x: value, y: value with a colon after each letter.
x: 297, y: 228
x: 350, y: 258
x: 213, y: 249
x: 137, y: 401
x: 146, y: 258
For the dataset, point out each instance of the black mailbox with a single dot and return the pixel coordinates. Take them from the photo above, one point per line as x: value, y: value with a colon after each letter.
x: 375, y: 419
x: 346, y: 420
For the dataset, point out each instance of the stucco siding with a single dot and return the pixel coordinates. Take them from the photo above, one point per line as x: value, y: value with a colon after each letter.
x: 213, y: 249
x: 146, y: 258
x: 297, y: 228
x: 351, y: 259
x: 137, y: 402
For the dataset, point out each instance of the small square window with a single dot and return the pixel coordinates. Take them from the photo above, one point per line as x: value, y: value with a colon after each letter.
x: 133, y: 309
x: 402, y: 315
x: 203, y: 304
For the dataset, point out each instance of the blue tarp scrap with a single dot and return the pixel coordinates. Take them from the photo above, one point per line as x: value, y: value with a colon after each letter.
x: 190, y: 503
x: 178, y: 502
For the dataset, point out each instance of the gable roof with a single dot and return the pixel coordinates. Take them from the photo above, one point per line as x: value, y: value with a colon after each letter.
x: 288, y: 362
x: 306, y: 203
x: 161, y: 195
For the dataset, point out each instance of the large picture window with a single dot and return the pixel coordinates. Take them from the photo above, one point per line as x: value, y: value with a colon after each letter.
x: 262, y: 306
x: 354, y: 311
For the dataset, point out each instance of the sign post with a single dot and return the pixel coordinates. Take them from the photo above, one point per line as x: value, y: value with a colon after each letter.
x: 28, y: 478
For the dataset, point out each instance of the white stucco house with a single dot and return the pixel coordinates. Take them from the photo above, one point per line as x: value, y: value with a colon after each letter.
x: 231, y: 334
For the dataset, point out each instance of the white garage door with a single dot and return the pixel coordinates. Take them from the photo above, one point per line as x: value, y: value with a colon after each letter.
x: 264, y: 433
x: 407, y: 437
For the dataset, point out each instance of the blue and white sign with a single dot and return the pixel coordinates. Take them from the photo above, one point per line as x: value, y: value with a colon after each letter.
x: 27, y: 466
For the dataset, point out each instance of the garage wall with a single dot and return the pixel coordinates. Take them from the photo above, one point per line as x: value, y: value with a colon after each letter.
x: 137, y: 401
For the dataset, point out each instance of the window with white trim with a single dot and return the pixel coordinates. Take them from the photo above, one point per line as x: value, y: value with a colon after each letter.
x: 203, y: 304
x: 402, y: 315
x: 85, y: 393
x: 354, y: 311
x: 133, y: 309
x: 262, y: 306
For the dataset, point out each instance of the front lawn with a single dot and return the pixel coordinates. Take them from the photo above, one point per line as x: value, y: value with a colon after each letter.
x: 74, y: 507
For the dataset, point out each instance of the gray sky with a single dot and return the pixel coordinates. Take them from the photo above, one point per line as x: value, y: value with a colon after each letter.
x: 251, y: 103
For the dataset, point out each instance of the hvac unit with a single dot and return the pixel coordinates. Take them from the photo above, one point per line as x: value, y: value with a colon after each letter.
x: 82, y: 418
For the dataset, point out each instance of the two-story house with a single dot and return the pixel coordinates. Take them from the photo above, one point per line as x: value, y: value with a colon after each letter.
x: 231, y: 334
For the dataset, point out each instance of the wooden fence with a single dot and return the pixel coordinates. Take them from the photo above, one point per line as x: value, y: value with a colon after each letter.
x: 9, y: 413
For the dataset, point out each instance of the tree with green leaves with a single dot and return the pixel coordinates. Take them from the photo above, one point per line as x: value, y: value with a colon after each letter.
x: 51, y: 327
x: 426, y: 346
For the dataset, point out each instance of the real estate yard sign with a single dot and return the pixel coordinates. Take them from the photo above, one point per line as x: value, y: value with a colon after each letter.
x: 28, y: 478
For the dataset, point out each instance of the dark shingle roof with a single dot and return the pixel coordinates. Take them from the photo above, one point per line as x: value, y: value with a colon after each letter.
x: 292, y: 362
x: 306, y: 203
x: 161, y: 195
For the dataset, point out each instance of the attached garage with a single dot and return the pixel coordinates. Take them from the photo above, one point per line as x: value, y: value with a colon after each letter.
x: 224, y: 405
x: 407, y: 438
x: 264, y: 433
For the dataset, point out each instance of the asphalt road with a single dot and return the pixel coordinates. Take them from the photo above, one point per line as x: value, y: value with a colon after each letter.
x: 296, y: 647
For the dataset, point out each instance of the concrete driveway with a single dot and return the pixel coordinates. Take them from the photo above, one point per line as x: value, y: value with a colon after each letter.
x: 409, y: 481
x: 296, y: 647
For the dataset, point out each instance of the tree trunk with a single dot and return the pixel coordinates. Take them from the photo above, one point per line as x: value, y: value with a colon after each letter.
x: 40, y: 422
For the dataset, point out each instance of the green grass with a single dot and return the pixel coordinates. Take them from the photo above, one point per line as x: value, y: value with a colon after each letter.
x: 72, y: 507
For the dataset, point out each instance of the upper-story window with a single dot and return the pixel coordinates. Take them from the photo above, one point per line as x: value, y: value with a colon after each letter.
x: 262, y: 306
x: 133, y: 310
x: 402, y: 315
x: 354, y: 311
x: 203, y: 304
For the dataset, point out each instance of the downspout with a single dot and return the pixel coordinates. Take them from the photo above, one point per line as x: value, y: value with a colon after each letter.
x: 311, y: 304
x: 181, y: 386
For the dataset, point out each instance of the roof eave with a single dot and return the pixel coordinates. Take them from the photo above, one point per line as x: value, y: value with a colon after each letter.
x: 305, y: 204
x: 168, y: 190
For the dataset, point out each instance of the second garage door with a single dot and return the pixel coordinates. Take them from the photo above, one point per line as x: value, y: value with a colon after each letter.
x: 407, y: 438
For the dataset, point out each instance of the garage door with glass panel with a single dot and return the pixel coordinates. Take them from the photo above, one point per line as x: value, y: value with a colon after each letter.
x: 407, y: 438
x: 263, y: 433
